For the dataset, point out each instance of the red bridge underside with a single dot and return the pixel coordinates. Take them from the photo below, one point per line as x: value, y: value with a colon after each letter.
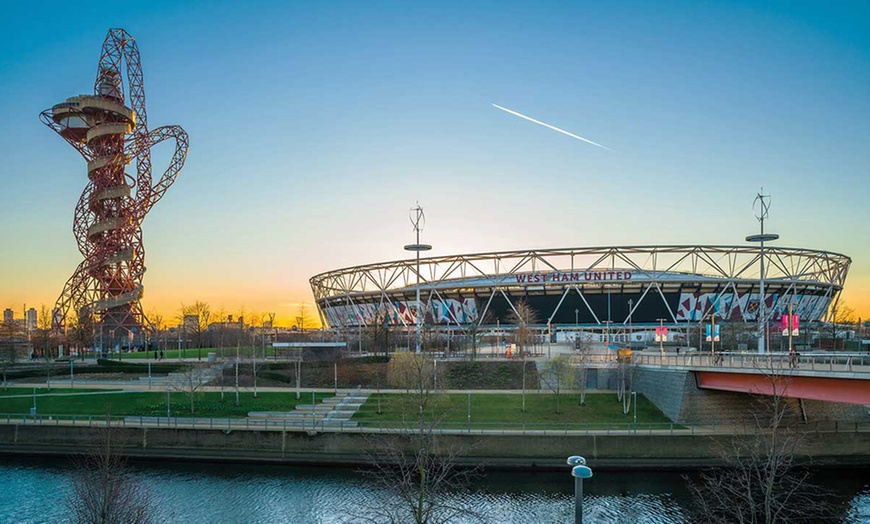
x: 845, y: 390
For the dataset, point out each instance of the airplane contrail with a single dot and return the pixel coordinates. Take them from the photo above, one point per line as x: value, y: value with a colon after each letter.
x: 554, y: 128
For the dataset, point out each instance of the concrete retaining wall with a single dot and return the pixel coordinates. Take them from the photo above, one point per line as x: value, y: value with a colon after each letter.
x: 678, y: 396
x: 549, y: 451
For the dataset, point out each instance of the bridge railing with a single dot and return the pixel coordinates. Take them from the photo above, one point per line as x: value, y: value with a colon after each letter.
x: 824, y: 362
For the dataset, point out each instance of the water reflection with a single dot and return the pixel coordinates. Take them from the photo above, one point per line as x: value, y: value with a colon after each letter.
x: 34, y: 491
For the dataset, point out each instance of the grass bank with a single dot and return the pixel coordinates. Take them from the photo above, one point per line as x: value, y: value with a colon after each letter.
x: 207, y: 404
x: 489, y: 410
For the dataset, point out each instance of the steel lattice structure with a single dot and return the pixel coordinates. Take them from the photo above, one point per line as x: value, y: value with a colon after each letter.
x: 107, y: 224
x: 613, y: 285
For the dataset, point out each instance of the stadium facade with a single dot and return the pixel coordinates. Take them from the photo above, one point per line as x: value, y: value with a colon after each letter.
x: 585, y: 288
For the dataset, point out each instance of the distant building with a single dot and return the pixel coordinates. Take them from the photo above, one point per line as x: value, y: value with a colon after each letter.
x: 30, y: 319
x: 8, y: 316
x: 191, y: 322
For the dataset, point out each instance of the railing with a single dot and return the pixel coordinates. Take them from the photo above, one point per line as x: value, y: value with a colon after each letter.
x: 829, y: 363
x: 319, y: 425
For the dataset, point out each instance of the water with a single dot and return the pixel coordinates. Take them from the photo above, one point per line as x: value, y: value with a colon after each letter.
x: 34, y: 492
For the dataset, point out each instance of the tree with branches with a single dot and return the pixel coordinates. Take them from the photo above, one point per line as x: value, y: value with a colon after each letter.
x: 558, y: 375
x: 80, y: 332
x: 8, y: 347
x: 103, y: 491
x: 414, y: 475
x: 475, y: 332
x: 195, y: 320
x: 624, y: 378
x: 841, y: 317
x: 190, y: 380
x: 523, y: 317
x: 582, y: 360
x: 302, y: 319
x: 761, y: 481
x: 44, y: 341
x: 379, y: 328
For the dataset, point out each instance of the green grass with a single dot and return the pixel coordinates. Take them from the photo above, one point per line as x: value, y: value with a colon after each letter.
x: 488, y: 410
x: 207, y: 404
x: 12, y: 391
x: 226, y: 352
x: 491, y: 409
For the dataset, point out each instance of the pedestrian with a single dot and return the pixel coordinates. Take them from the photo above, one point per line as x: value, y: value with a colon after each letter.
x: 161, y: 354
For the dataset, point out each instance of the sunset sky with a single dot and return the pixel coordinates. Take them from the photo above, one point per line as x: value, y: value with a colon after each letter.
x: 315, y: 126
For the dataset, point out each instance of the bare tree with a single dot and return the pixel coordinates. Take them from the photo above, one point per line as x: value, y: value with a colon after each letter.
x: 45, y: 340
x: 408, y: 371
x: 80, y: 332
x: 103, y: 490
x: 582, y: 357
x: 761, y: 483
x: 195, y: 319
x: 302, y: 319
x: 190, y: 381
x: 558, y: 375
x: 624, y: 377
x: 158, y: 326
x: 8, y: 349
x: 841, y: 317
x: 523, y: 317
x: 415, y: 482
x: 475, y: 332
x: 379, y: 329
x: 414, y: 475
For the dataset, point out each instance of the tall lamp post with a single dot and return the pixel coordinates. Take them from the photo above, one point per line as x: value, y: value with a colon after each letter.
x: 418, y: 220
x: 579, y: 471
x: 761, y: 207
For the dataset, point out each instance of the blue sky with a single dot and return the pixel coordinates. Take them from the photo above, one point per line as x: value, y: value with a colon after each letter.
x: 314, y: 126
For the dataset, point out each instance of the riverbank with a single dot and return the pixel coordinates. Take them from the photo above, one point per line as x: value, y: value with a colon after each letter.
x: 676, y: 449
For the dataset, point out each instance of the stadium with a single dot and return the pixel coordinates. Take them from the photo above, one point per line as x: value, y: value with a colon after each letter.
x: 594, y: 288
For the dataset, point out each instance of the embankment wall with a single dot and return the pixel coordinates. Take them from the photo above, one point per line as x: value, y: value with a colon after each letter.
x: 494, y: 450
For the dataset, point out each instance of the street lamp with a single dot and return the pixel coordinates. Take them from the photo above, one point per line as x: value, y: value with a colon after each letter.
x: 761, y: 212
x: 418, y: 219
x: 579, y: 471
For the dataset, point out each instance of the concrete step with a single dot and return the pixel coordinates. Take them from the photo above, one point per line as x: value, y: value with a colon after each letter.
x: 317, y: 408
x: 282, y: 415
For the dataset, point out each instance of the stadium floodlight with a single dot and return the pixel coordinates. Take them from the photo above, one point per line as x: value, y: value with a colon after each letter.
x: 761, y: 209
x: 418, y: 220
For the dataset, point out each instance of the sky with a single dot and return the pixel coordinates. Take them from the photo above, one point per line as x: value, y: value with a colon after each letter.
x: 315, y: 126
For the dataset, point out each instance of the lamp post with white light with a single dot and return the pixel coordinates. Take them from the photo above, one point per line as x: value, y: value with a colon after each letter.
x: 418, y: 219
x: 579, y: 471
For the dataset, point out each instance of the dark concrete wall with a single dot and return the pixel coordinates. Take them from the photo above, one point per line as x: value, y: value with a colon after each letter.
x: 677, y: 395
x: 639, y: 450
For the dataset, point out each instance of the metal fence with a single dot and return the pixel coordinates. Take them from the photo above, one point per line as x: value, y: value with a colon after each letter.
x: 830, y: 363
x: 319, y: 425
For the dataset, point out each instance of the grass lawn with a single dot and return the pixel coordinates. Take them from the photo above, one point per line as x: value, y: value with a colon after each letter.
x: 226, y: 352
x: 491, y: 409
x: 12, y: 391
x: 208, y: 404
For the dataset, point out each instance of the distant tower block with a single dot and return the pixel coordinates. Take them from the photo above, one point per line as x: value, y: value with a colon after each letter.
x: 104, y: 291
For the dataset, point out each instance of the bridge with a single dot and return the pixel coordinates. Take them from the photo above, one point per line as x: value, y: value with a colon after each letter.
x: 831, y: 377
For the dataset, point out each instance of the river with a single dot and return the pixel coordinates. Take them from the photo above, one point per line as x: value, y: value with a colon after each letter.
x: 34, y: 491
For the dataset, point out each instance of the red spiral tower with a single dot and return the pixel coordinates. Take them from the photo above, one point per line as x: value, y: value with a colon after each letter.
x: 110, y: 130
